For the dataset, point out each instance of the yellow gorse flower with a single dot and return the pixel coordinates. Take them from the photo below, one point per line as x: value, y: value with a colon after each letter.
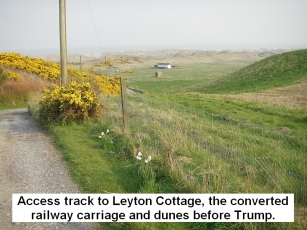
x: 14, y: 76
x: 51, y: 71
x: 75, y: 101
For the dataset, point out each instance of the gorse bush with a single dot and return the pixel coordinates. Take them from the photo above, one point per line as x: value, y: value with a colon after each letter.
x: 45, y: 69
x: 109, y: 62
x: 8, y: 75
x: 14, y: 76
x: 73, y: 102
x: 107, y: 86
x: 51, y: 71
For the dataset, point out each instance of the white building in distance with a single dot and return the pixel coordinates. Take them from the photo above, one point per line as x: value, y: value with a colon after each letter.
x: 163, y: 66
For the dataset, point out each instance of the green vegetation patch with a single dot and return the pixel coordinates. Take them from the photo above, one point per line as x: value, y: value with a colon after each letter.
x: 184, y: 79
x: 98, y: 168
x: 3, y: 76
x: 17, y: 106
x: 275, y: 117
x: 274, y: 71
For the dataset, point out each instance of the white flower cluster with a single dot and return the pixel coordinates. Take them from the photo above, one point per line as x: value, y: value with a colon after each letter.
x: 102, y: 133
x: 106, y: 141
x: 140, y: 155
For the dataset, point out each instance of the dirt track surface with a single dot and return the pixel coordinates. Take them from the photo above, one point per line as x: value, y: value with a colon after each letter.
x: 29, y: 163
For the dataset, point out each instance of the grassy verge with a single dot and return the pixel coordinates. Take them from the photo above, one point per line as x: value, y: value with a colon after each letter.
x: 96, y: 170
x: 17, y: 94
x: 18, y: 106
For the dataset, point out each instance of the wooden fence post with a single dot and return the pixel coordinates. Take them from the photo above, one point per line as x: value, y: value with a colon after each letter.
x: 124, y: 105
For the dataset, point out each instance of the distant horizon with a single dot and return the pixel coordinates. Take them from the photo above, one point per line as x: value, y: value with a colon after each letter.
x: 114, y: 49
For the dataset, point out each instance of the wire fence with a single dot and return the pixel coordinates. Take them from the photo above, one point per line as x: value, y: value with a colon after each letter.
x: 215, y: 153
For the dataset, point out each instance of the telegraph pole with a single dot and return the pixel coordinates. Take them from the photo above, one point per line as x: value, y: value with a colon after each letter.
x: 63, y: 43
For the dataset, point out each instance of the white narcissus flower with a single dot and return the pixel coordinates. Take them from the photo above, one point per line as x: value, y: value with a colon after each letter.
x: 139, y: 154
x: 102, y: 133
x: 149, y: 158
x: 146, y: 161
x: 100, y: 136
x: 107, y: 131
x: 138, y: 157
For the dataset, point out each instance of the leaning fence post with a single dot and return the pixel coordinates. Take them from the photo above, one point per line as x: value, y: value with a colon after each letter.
x: 124, y: 105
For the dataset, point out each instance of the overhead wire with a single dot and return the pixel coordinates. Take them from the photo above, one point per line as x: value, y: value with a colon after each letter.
x: 93, y: 20
x: 28, y: 29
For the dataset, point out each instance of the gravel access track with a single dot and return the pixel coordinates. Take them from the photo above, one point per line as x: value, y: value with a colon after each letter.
x: 29, y: 163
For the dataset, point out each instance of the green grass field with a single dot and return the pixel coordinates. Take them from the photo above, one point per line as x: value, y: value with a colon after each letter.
x: 200, y: 143
x: 184, y: 79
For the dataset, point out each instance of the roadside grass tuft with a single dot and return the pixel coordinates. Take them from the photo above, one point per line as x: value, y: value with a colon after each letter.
x: 17, y: 94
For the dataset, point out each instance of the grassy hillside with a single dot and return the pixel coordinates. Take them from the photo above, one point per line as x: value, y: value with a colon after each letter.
x: 274, y: 71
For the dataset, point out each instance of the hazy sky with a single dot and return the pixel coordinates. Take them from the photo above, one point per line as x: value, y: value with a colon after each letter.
x: 32, y: 26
